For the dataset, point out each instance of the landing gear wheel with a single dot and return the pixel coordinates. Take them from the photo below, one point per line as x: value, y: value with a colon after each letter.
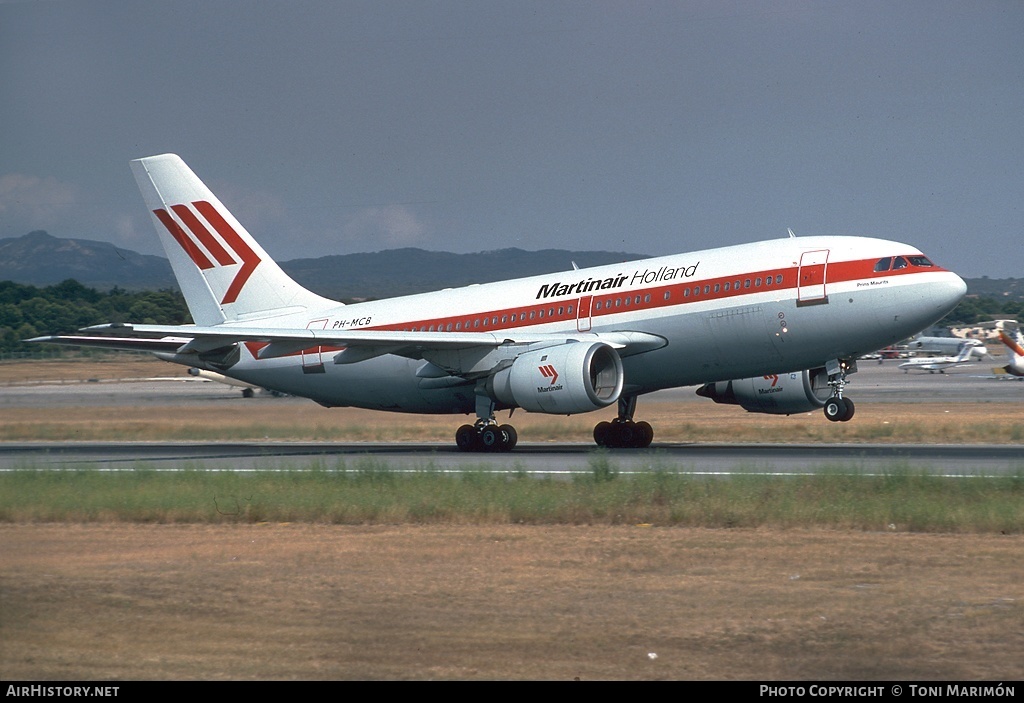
x: 849, y: 410
x: 645, y: 434
x: 838, y: 409
x: 492, y: 439
x: 467, y: 439
x: 623, y: 434
x: 834, y: 409
x: 511, y: 437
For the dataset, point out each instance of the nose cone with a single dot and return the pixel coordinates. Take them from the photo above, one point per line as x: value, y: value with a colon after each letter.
x: 950, y: 291
x: 926, y: 303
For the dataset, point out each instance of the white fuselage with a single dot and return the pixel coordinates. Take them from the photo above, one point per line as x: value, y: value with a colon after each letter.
x: 734, y: 312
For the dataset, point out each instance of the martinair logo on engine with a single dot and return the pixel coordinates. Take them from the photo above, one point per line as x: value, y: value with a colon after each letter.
x: 551, y: 374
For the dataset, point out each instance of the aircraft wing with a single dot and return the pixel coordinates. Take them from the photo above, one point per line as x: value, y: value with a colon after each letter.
x: 168, y: 345
x: 353, y: 345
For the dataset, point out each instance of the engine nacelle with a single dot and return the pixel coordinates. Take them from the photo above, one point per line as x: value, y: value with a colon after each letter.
x: 576, y: 377
x: 782, y: 394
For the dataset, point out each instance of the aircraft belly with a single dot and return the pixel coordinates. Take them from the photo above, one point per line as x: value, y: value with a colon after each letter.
x: 385, y: 383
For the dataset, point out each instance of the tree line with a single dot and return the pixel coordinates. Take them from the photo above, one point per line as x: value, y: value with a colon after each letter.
x: 29, y: 311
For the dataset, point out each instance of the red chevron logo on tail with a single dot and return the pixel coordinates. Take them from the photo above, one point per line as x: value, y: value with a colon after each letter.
x: 208, y: 245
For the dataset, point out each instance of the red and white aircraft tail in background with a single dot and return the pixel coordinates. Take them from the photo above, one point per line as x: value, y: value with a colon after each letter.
x: 785, y: 319
x: 1015, y: 352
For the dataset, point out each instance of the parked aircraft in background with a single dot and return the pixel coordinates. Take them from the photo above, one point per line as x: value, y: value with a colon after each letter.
x: 800, y: 308
x: 940, y: 363
x: 946, y: 346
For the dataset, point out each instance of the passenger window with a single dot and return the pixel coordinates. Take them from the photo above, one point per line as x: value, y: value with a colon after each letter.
x: 778, y: 279
x: 746, y: 283
x: 718, y: 287
x: 757, y: 282
x: 668, y: 294
x: 725, y: 286
x: 883, y: 264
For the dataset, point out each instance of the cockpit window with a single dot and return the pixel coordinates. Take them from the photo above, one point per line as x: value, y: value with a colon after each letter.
x: 919, y: 261
x: 899, y: 263
x: 883, y: 264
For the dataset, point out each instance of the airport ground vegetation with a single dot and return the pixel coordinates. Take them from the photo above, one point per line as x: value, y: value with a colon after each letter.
x: 369, y: 492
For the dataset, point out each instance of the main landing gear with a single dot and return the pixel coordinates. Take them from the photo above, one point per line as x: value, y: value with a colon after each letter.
x: 839, y: 408
x: 486, y: 435
x: 622, y: 432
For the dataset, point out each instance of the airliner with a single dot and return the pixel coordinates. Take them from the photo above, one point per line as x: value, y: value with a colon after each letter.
x: 774, y: 326
x: 946, y: 346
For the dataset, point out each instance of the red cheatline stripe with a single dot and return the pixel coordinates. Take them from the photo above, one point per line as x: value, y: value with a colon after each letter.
x: 197, y: 256
x: 205, y: 238
x: 250, y: 260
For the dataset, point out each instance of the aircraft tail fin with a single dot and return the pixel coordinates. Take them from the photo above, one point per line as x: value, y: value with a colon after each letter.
x: 224, y: 274
x: 1015, y: 352
x: 964, y: 352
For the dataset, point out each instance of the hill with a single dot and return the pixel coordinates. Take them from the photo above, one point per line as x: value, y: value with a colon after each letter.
x: 40, y: 259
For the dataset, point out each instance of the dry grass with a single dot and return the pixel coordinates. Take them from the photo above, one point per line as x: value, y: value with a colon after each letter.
x: 116, y: 366
x: 684, y: 421
x: 404, y: 602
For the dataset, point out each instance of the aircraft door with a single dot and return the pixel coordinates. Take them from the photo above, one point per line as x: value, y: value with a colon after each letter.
x: 811, y: 278
x: 312, y: 358
x: 583, y: 313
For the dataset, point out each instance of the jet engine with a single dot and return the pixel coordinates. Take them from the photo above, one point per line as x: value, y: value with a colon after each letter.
x: 781, y: 394
x: 569, y: 378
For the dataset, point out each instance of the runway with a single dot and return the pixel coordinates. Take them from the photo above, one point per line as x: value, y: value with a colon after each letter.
x: 538, y: 459
x: 874, y: 383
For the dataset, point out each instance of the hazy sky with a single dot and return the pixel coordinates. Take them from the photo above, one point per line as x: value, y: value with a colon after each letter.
x: 652, y: 127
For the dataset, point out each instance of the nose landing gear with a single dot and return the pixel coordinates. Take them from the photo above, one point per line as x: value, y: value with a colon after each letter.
x: 839, y: 408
